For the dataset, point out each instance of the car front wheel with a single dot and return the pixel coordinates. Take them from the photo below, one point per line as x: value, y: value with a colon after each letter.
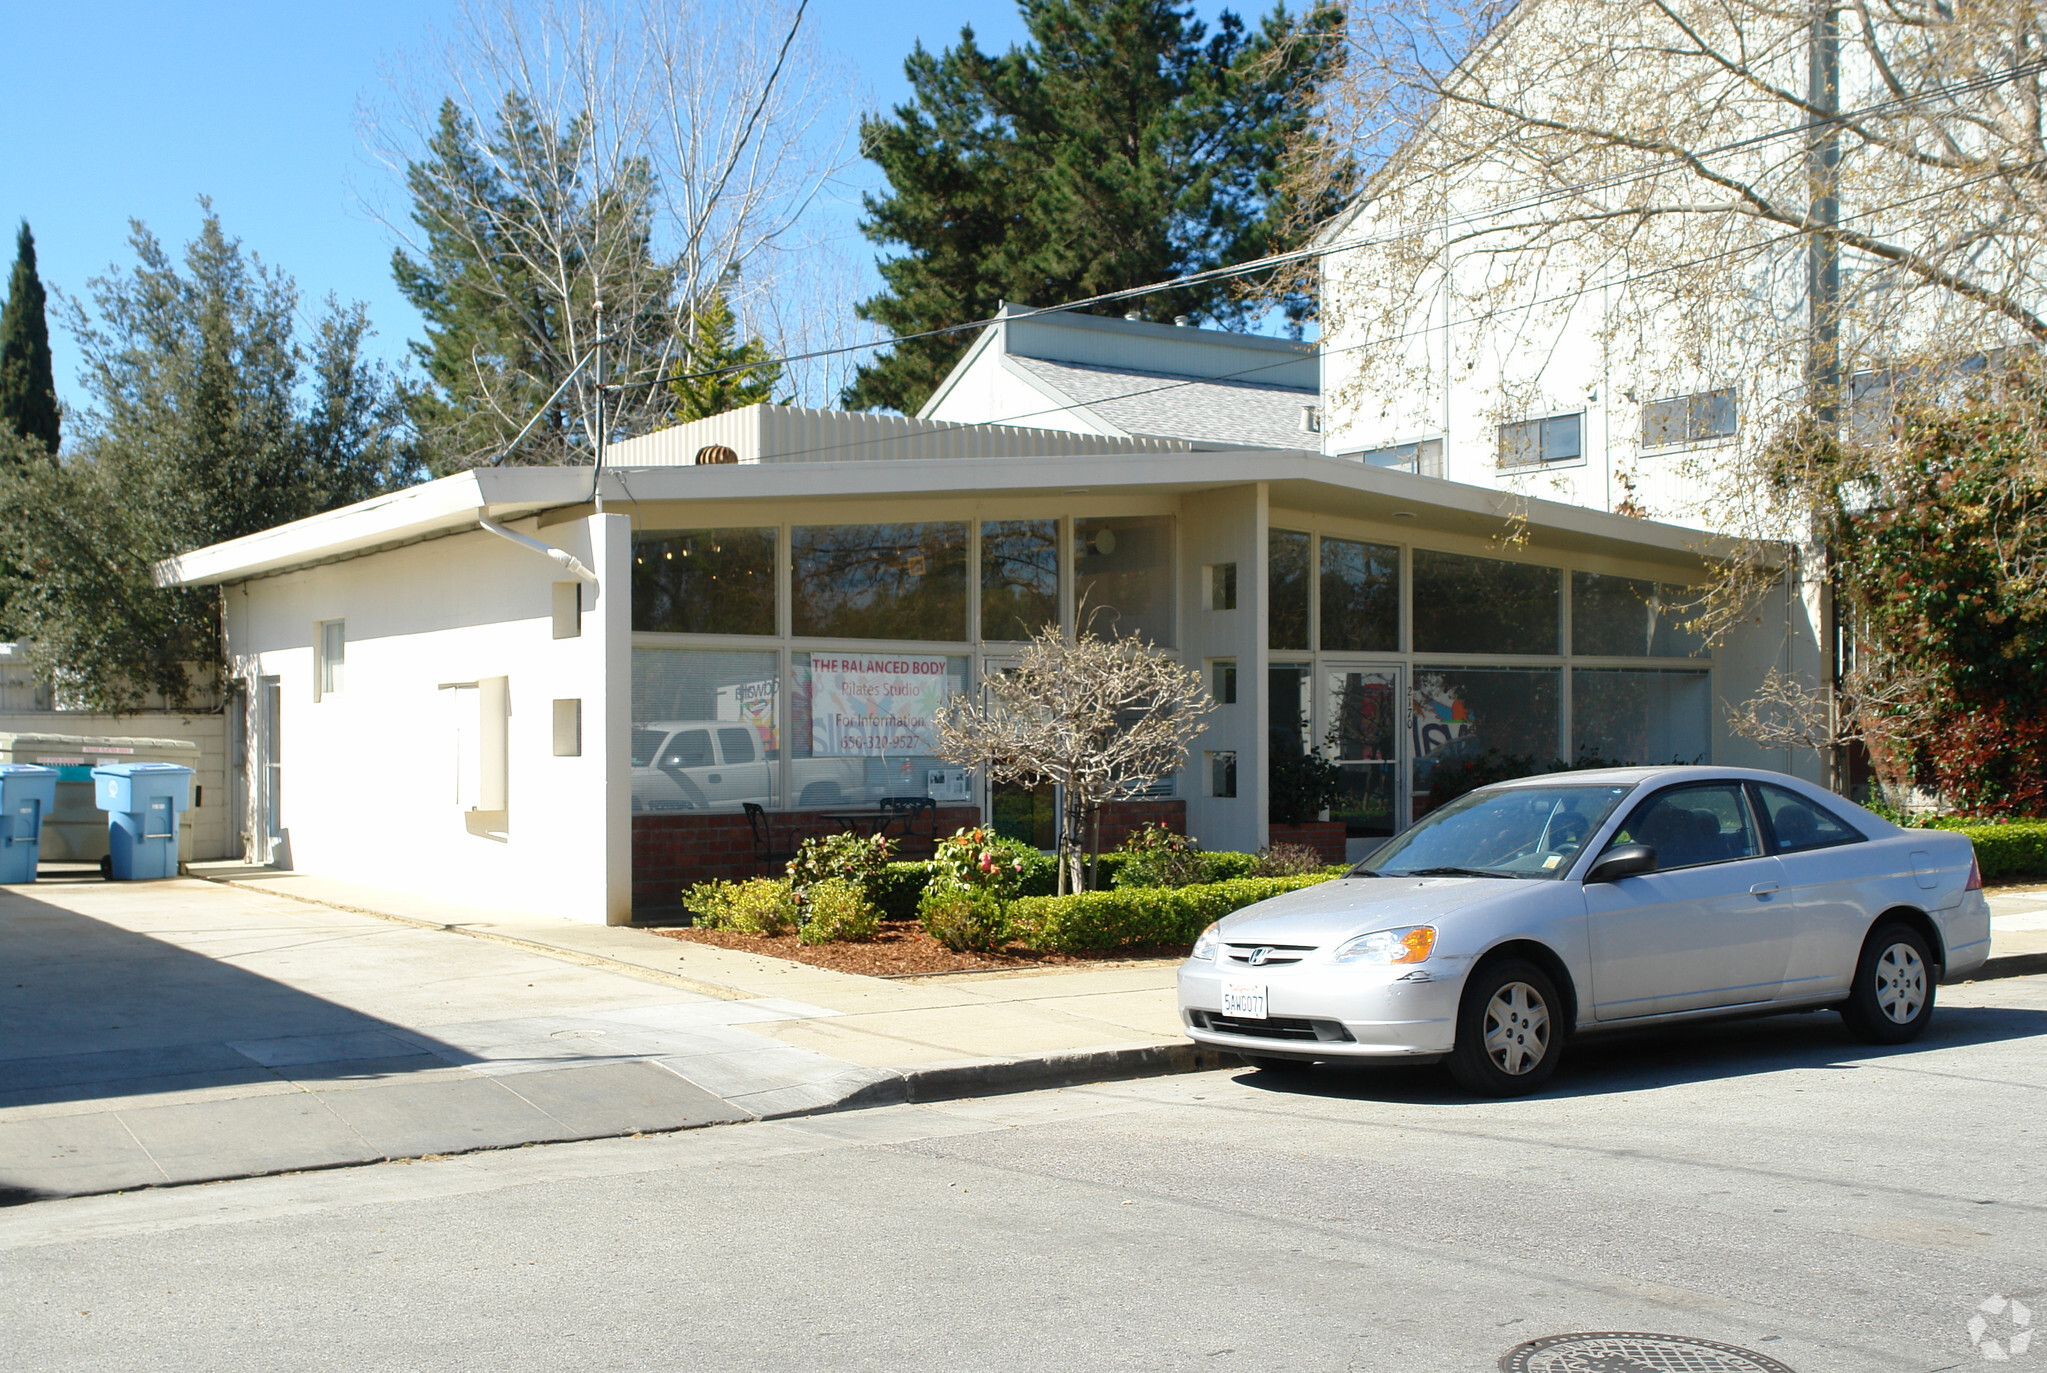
x: 1892, y: 996
x: 1509, y: 1030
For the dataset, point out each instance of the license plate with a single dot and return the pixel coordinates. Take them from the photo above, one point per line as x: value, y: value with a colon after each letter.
x: 1244, y: 1000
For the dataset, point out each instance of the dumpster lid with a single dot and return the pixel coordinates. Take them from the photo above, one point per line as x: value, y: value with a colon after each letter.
x: 26, y: 770
x: 93, y: 743
x: 138, y: 769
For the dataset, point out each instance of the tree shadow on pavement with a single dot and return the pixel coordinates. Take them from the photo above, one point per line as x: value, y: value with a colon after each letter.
x: 1634, y: 1061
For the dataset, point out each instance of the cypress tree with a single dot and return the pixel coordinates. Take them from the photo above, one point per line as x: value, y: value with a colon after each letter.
x: 28, y: 391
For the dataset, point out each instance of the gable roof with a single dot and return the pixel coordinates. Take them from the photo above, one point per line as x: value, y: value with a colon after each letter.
x: 1206, y: 412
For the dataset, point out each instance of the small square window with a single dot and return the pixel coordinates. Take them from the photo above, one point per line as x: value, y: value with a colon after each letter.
x: 1222, y: 772
x: 1535, y: 443
x: 1222, y: 586
x: 1223, y: 681
x: 568, y: 728
x: 332, y: 651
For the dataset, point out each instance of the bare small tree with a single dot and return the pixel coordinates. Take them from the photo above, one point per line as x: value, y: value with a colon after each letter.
x: 1101, y: 718
x: 1872, y: 708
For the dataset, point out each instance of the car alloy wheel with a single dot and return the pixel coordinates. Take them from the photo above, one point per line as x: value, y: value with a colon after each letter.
x: 1508, y: 1032
x: 1891, y: 999
x: 1900, y: 983
x: 1516, y: 1028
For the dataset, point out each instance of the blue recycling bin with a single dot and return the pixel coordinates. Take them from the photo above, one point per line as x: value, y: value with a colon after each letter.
x: 143, y: 802
x: 27, y: 794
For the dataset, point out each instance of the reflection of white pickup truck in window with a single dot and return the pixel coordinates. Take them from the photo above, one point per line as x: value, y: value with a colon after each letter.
x: 720, y: 765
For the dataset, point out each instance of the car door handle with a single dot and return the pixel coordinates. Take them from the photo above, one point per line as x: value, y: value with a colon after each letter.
x: 716, y: 778
x: 1762, y: 888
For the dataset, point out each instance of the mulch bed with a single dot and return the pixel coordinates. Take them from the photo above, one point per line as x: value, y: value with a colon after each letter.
x: 904, y: 950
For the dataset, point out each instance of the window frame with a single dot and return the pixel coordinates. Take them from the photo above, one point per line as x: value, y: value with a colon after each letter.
x: 1768, y: 825
x: 1542, y: 459
x: 1694, y: 402
x: 329, y: 669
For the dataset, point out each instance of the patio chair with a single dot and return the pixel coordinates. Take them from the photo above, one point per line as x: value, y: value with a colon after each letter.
x: 899, y: 819
x: 765, y: 854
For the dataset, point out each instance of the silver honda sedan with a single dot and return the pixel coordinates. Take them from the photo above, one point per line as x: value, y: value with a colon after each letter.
x: 1519, y: 914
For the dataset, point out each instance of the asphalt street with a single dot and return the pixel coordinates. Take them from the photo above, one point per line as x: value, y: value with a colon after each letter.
x: 1770, y: 1185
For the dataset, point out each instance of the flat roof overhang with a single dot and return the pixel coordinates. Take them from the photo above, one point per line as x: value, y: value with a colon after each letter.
x: 1296, y: 480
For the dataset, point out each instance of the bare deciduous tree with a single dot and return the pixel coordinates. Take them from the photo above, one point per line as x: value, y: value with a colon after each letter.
x: 652, y: 153
x: 1100, y: 718
x: 1873, y: 707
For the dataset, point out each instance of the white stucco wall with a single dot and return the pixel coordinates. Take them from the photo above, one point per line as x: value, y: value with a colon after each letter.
x: 368, y: 788
x: 1226, y: 527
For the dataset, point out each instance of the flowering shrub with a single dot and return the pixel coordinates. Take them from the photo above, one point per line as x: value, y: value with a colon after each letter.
x: 761, y: 905
x: 1154, y: 856
x: 836, y: 909
x: 851, y: 857
x: 1287, y: 860
x: 980, y: 859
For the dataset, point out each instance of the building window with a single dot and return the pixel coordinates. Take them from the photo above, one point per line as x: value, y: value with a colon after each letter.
x: 864, y: 725
x: 1543, y: 442
x: 1424, y: 457
x: 1484, y: 717
x: 880, y: 581
x: 1484, y: 605
x: 1223, y: 679
x: 1360, y: 597
x: 1622, y: 617
x: 1288, y: 558
x: 704, y: 732
x: 1019, y: 577
x: 1629, y: 718
x: 1695, y: 418
x: 1222, y: 586
x: 1123, y: 577
x: 333, y: 653
x: 705, y: 581
x: 1222, y: 773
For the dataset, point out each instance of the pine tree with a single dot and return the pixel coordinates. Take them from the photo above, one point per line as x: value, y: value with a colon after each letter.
x: 1121, y: 145
x: 28, y: 390
x: 753, y: 376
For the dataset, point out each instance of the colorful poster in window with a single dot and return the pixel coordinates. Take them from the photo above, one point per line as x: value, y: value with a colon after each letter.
x: 873, y: 704
x: 750, y: 703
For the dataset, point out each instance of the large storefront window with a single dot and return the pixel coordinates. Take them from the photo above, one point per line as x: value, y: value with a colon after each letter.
x: 1019, y: 577
x: 705, y: 581
x: 1484, y: 605
x: 1496, y: 721
x: 704, y: 736
x: 880, y: 581
x: 1123, y: 577
x: 1640, y: 718
x: 1621, y: 617
x: 1360, y: 597
x: 862, y: 725
x: 1287, y: 557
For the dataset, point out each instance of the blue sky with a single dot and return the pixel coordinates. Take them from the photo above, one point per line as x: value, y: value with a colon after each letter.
x: 132, y: 110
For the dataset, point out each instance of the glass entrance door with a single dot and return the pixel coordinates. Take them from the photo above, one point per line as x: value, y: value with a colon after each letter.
x: 1363, y: 702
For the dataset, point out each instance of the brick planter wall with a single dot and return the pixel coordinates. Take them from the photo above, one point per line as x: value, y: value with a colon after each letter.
x: 1121, y: 819
x: 1323, y: 836
x: 672, y: 851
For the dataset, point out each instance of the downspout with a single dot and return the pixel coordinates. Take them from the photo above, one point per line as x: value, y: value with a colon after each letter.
x: 569, y: 562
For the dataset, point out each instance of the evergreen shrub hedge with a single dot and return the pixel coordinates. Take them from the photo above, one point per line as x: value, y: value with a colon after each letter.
x: 1130, y: 917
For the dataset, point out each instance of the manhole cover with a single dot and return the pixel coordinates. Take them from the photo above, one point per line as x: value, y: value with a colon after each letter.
x: 1615, y: 1351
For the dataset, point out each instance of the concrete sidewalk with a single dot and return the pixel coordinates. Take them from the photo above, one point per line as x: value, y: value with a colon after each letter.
x: 184, y: 1031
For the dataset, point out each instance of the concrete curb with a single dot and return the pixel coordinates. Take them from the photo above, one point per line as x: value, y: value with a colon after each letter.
x: 981, y: 1077
x: 2011, y: 965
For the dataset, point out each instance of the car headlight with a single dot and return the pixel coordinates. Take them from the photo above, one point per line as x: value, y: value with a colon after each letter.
x: 1410, y: 945
x: 1204, y: 947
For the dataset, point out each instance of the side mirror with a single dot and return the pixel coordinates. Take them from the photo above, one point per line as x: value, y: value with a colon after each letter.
x: 1625, y: 861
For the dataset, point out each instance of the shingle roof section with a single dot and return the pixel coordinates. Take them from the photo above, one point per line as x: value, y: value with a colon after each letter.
x: 1233, y: 413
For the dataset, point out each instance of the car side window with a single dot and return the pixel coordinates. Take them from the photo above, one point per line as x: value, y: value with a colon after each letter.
x: 689, y: 749
x: 1798, y: 824
x: 1690, y: 826
x: 737, y: 741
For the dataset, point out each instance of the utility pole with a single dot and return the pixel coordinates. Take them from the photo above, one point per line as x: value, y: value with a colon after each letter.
x: 1823, y: 306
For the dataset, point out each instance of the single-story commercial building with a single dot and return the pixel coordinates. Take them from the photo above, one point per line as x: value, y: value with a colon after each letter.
x: 496, y: 689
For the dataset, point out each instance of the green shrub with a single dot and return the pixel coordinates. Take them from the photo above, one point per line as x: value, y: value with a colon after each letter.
x: 760, y: 905
x: 1135, y: 916
x: 1226, y: 865
x: 964, y: 919
x: 854, y: 857
x: 1154, y: 856
x: 836, y: 909
x: 1286, y: 860
x: 981, y: 859
x: 2005, y: 849
x: 895, y: 889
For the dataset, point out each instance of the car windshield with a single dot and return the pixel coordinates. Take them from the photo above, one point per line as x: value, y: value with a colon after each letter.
x: 1504, y: 832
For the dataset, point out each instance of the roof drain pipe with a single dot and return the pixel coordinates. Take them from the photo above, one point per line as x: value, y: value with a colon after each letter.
x: 570, y: 562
